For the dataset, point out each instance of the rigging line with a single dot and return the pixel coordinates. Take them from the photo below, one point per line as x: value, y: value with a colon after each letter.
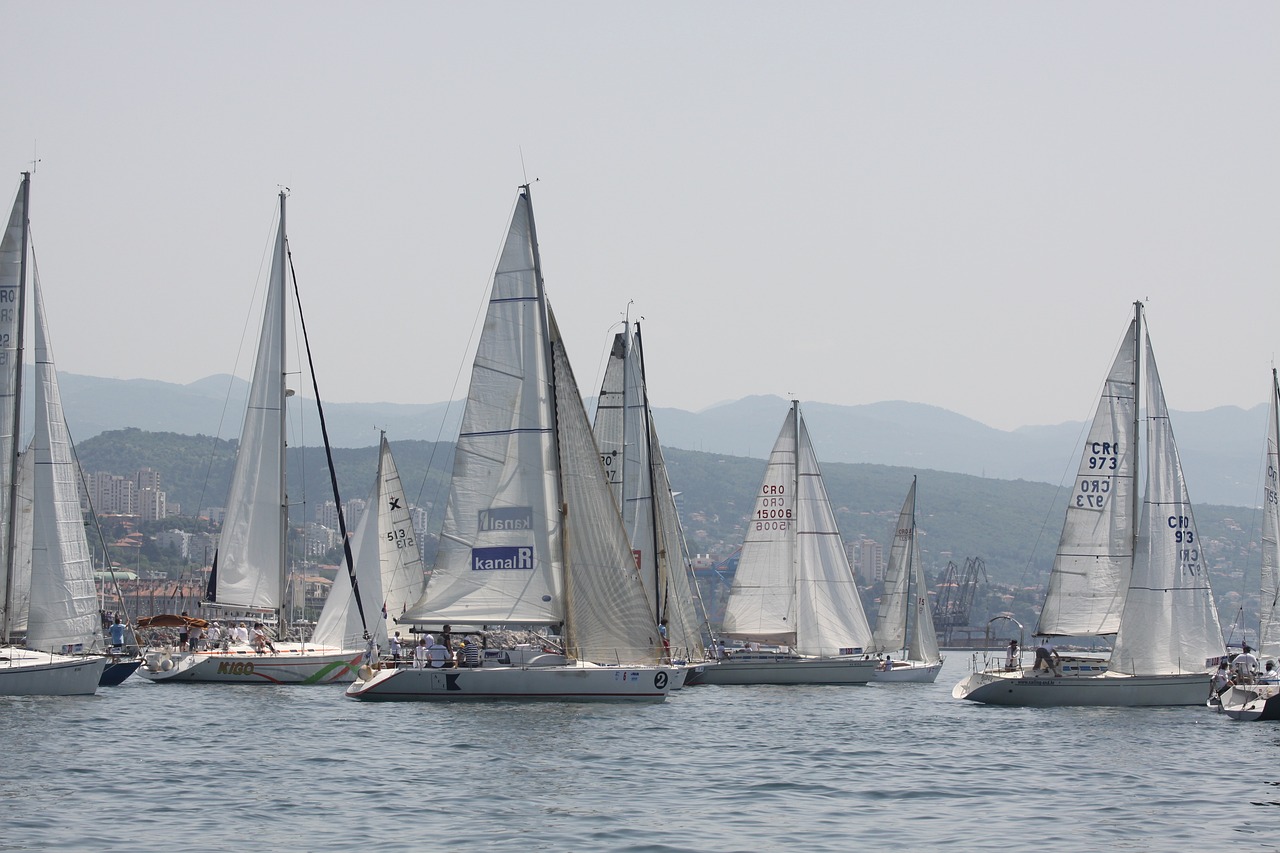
x: 324, y: 431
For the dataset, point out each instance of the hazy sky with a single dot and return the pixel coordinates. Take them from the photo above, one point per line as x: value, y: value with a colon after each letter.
x: 946, y: 203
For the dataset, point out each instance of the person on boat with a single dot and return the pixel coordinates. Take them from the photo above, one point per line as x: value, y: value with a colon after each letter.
x: 470, y: 653
x: 1246, y: 665
x: 1012, y: 655
x: 261, y: 642
x: 666, y: 643
x: 117, y: 635
x: 1046, y: 656
x: 195, y: 638
x: 446, y: 636
x: 420, y: 655
x: 887, y: 666
x: 371, y: 652
x: 242, y: 634
x: 439, y: 655
x: 1220, y: 681
x: 1270, y: 675
x: 184, y: 633
x: 214, y: 637
x: 393, y: 645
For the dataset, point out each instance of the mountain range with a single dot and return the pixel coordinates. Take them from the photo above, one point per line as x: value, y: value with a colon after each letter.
x: 1221, y: 448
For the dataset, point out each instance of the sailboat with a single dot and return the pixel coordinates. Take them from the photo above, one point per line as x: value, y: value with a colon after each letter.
x: 637, y: 474
x: 388, y: 565
x: 1261, y: 702
x: 793, y: 588
x: 48, y: 574
x: 249, y: 569
x: 904, y: 625
x: 532, y: 537
x: 1129, y: 570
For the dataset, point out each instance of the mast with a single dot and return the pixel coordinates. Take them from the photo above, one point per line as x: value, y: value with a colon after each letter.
x: 527, y: 199
x: 282, y: 248
x: 1136, y: 498
x: 910, y: 569
x: 659, y: 589
x: 12, y: 461
x: 792, y: 524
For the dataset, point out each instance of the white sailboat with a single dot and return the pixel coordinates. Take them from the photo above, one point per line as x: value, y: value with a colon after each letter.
x: 637, y: 475
x: 793, y: 588
x: 48, y: 574
x: 1149, y: 587
x: 249, y: 572
x: 532, y: 536
x: 1261, y: 702
x: 904, y: 630
x: 388, y: 565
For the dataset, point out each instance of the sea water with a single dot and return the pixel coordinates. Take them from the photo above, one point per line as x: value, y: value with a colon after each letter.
x: 159, y: 767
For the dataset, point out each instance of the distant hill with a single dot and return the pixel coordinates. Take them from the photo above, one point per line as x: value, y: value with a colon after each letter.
x: 1220, y: 448
x: 1012, y: 524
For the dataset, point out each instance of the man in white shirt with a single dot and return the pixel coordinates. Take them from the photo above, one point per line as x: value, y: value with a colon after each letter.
x: 1246, y: 665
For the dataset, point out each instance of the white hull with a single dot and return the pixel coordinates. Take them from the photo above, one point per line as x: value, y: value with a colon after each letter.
x: 27, y: 673
x: 292, y: 664
x: 766, y: 668
x: 571, y: 683
x: 909, y: 672
x: 1251, y: 703
x: 1111, y: 690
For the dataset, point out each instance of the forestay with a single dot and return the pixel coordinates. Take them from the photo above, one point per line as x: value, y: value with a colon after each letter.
x: 1095, y: 552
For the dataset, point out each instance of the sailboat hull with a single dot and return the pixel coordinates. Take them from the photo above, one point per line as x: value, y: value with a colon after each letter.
x: 1251, y: 704
x: 27, y: 673
x: 909, y: 672
x: 243, y: 666
x: 1109, y: 690
x: 765, y: 668
x: 117, y: 671
x: 580, y: 683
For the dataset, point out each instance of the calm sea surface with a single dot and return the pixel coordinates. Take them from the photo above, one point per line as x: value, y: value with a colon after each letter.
x: 905, y: 767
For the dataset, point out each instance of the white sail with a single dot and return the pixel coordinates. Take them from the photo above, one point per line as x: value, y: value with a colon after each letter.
x: 829, y: 608
x: 1169, y: 624
x: 499, y: 560
x: 762, y: 598
x: 388, y: 566
x: 24, y: 531
x: 684, y: 625
x: 923, y: 636
x: 905, y: 620
x: 637, y: 473
x: 64, y: 605
x: 609, y: 617
x: 1269, y: 601
x: 12, y: 251
x: 793, y: 584
x: 249, y: 568
x: 1095, y: 553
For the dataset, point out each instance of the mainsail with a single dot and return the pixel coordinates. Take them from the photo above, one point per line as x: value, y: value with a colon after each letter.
x: 1269, y: 603
x: 1095, y: 552
x: 250, y: 565
x: 637, y: 475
